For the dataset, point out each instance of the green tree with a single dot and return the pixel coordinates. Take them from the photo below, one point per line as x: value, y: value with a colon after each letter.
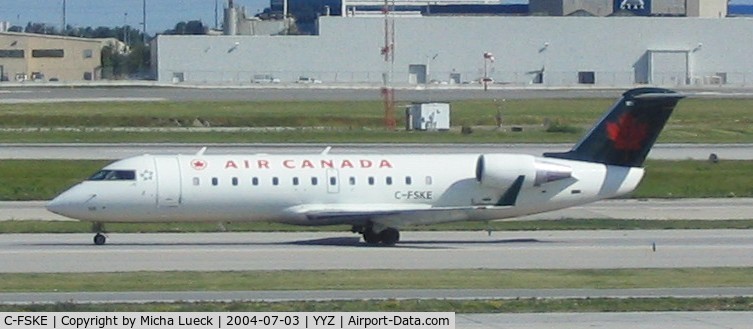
x: 113, y: 63
x: 186, y: 28
x: 40, y: 28
x: 138, y: 60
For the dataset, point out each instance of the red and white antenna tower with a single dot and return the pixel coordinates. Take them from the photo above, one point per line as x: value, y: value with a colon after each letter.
x: 388, y: 51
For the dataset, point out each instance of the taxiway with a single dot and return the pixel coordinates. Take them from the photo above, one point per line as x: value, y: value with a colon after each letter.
x: 122, y: 150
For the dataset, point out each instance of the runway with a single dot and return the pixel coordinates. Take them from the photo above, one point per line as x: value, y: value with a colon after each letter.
x: 47, y: 253
x: 119, y: 151
x: 151, y: 91
x: 290, y: 92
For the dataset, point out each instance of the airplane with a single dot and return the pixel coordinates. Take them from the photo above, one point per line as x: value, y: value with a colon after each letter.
x: 375, y: 194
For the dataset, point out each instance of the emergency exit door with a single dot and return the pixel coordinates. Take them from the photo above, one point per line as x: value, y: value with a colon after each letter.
x: 168, y: 181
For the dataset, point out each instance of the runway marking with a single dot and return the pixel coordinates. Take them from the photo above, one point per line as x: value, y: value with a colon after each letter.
x: 80, y: 100
x: 3, y: 91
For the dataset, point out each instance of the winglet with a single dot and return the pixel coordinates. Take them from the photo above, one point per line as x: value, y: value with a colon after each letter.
x: 201, y: 152
x: 326, y: 150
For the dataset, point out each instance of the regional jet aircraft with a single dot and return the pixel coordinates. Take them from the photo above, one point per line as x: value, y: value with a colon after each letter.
x: 376, y: 194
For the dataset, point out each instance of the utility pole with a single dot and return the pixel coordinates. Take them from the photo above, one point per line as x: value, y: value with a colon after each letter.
x: 125, y: 28
x: 388, y: 51
x: 143, y: 21
x: 62, y: 29
x: 216, y: 15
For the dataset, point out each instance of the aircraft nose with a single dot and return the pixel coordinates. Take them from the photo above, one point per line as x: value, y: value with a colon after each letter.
x: 70, y: 203
x: 60, y: 205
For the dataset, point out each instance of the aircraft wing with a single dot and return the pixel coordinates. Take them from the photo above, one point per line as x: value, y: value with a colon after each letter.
x: 391, y: 215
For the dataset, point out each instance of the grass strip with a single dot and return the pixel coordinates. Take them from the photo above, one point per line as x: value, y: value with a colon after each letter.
x: 377, y: 279
x: 461, y: 306
x: 690, y: 179
x: 695, y: 121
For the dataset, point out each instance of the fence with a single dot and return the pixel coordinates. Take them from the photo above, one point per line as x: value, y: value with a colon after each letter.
x: 513, y: 78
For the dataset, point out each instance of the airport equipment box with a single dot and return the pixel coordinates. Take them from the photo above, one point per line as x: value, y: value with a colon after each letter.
x: 428, y: 116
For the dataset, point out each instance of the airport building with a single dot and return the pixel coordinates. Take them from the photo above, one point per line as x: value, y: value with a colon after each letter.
x: 686, y: 8
x: 40, y: 57
x: 449, y: 49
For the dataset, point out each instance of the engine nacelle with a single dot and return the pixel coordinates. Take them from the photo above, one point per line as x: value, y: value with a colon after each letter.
x: 502, y: 170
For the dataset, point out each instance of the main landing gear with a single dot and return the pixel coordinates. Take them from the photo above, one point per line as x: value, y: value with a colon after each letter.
x: 99, y: 238
x: 388, y: 236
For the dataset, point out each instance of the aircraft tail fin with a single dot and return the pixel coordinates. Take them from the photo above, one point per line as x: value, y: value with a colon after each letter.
x: 626, y: 133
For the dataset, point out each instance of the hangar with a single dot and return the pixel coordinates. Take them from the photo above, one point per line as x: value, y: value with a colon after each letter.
x: 449, y: 49
x: 39, y: 57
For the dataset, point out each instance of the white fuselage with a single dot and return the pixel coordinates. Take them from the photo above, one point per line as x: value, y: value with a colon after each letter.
x: 326, y: 189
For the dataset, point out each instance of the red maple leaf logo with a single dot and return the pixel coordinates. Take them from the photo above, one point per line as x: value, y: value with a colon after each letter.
x: 198, y: 164
x: 627, y: 133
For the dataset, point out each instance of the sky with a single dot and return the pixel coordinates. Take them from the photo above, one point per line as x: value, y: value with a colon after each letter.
x: 161, y: 14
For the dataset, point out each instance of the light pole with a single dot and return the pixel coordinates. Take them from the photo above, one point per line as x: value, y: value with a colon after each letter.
x: 62, y: 29
x: 143, y: 21
x: 488, y: 59
x: 125, y: 28
x: 429, y: 60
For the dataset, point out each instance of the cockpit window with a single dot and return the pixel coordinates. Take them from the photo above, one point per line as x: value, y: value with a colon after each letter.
x: 114, y: 175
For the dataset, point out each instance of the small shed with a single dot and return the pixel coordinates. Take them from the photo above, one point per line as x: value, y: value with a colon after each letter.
x: 427, y: 116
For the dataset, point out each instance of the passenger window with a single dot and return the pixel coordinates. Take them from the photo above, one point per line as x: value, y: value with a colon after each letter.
x: 371, y: 180
x: 314, y: 181
x: 295, y: 180
x: 333, y: 181
x: 275, y: 181
x: 235, y: 181
x: 408, y: 180
x: 388, y: 180
x: 352, y: 180
x: 215, y: 181
x: 255, y: 181
x: 428, y: 180
x: 196, y: 181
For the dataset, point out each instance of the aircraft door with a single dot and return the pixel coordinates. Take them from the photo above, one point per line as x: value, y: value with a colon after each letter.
x: 168, y: 181
x: 333, y: 181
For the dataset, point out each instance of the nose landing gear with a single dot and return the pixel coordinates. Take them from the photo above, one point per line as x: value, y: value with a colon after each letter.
x: 99, y: 238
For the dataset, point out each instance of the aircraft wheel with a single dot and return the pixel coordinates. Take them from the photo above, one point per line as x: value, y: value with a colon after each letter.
x: 370, y: 237
x: 389, y: 236
x: 100, y: 239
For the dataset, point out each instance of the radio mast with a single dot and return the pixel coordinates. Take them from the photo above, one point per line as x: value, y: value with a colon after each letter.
x: 388, y: 51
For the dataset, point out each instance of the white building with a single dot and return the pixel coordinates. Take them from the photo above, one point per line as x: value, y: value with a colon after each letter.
x: 551, y: 51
